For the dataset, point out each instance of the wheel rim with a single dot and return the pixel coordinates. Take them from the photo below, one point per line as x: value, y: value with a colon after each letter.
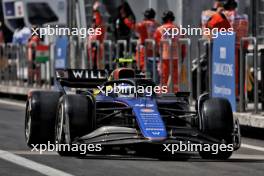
x: 28, y: 121
x: 59, y: 125
x: 237, y: 135
x: 62, y: 134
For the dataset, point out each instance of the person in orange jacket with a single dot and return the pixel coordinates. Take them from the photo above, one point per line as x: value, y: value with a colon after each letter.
x: 33, y: 67
x: 145, y: 30
x: 239, y: 23
x: 207, y: 14
x: 218, y: 20
x: 160, y: 34
x: 226, y: 18
x: 98, y: 24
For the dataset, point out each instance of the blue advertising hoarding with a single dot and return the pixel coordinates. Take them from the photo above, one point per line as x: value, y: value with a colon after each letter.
x: 9, y: 8
x: 61, y: 52
x: 223, y: 68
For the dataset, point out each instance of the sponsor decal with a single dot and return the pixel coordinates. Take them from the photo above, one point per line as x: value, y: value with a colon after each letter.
x: 89, y: 74
x: 155, y: 133
x: 147, y: 110
x: 223, y: 69
x: 144, y: 105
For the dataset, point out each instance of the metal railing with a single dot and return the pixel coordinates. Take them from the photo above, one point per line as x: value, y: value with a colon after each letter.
x: 242, y: 102
x: 170, y: 79
x: 17, y: 70
x: 152, y: 43
x: 242, y: 74
x: 187, y: 43
x: 119, y: 51
x: 14, y: 63
x: 203, y: 44
x: 17, y: 56
x: 108, y: 44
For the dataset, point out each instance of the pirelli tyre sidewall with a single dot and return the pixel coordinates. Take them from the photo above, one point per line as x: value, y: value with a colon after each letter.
x: 75, y: 118
x: 217, y: 121
x: 40, y: 117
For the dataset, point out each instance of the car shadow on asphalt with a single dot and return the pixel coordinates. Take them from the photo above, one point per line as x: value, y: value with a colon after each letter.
x: 190, y: 158
x: 251, y: 132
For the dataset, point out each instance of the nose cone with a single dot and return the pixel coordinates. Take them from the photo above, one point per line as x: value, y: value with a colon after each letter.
x: 148, y: 118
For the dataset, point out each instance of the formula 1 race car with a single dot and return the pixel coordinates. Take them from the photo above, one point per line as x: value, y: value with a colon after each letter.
x: 88, y: 109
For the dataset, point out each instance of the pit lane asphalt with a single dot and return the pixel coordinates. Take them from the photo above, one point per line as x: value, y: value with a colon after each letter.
x: 243, y: 162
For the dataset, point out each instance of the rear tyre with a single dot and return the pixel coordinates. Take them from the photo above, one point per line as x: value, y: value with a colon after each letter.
x: 217, y: 121
x: 75, y: 118
x: 40, y: 117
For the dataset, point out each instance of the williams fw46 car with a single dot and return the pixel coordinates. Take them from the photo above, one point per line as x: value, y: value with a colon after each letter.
x: 87, y: 109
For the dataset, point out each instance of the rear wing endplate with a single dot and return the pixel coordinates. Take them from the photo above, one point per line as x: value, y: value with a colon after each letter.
x: 81, y: 78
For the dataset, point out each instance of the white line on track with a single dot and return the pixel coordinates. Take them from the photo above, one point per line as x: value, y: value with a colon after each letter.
x: 247, y: 157
x: 21, y: 161
x: 253, y: 147
x: 7, y: 102
x: 43, y: 169
x: 29, y: 152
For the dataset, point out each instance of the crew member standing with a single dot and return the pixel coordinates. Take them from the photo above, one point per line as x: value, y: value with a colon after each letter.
x: 145, y: 30
x: 207, y: 14
x: 160, y: 34
x: 226, y: 17
x: 33, y: 67
x: 218, y: 20
x: 239, y: 23
x: 98, y: 25
x: 123, y: 30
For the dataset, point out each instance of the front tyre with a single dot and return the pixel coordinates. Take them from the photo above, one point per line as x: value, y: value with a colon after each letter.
x: 217, y: 121
x: 31, y: 138
x: 62, y: 134
x: 40, y: 117
x: 75, y: 118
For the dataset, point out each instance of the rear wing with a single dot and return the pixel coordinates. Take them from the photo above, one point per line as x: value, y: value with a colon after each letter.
x: 81, y: 78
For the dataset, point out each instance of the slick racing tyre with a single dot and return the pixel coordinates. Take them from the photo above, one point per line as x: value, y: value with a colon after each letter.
x: 217, y: 121
x: 75, y: 118
x: 40, y: 117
